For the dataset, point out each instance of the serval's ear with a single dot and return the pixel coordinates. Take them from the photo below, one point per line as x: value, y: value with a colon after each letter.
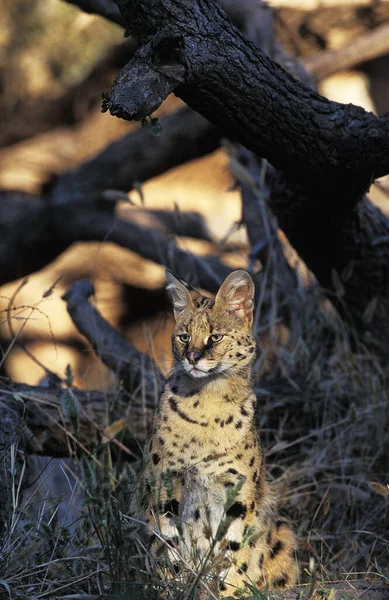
x: 181, y: 293
x: 236, y: 295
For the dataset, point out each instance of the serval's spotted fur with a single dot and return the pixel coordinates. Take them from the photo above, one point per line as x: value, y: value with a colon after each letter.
x: 205, y: 478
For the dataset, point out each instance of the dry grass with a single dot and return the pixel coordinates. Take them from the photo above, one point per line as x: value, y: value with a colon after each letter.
x: 324, y: 421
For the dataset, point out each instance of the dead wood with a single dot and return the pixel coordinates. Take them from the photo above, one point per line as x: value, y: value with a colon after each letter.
x: 373, y: 44
x: 329, y: 153
x: 138, y: 156
x: 306, y: 28
x: 49, y: 429
x: 105, y: 8
x: 30, y: 247
x: 135, y: 370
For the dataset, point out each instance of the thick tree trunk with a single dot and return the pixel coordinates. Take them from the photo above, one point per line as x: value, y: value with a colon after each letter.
x: 328, y: 153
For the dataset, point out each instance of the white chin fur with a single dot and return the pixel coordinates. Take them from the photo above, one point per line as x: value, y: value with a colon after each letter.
x: 194, y: 371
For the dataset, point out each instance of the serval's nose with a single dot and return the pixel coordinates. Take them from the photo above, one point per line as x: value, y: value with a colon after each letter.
x: 194, y: 356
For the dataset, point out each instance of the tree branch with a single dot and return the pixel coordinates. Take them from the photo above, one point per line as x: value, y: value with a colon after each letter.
x: 269, y: 112
x: 367, y: 47
x: 48, y: 430
x: 328, y: 153
x: 133, y: 368
x: 103, y: 8
x: 139, y: 156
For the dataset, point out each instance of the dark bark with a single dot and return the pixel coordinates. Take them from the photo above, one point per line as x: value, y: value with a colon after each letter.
x: 89, y: 225
x: 34, y: 230
x: 48, y: 430
x: 139, y: 156
x: 104, y: 8
x: 219, y: 73
x: 133, y: 368
x: 36, y: 233
x: 329, y: 153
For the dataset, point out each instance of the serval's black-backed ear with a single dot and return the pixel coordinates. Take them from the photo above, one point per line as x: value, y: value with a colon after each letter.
x: 236, y: 295
x: 181, y: 293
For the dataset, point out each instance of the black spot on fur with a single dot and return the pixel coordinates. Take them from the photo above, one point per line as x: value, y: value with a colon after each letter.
x: 174, y: 407
x: 229, y: 419
x: 243, y: 411
x: 156, y: 458
x: 228, y: 484
x: 232, y: 471
x: 195, y: 404
x: 174, y: 389
x: 276, y: 549
x: 217, y: 420
x: 243, y: 568
x: 238, y: 425
x: 269, y: 538
x: 252, y: 461
x: 252, y: 506
x: 261, y: 561
x: 280, y: 522
x: 238, y: 509
x: 161, y: 441
x: 171, y: 506
x: 281, y: 582
x: 234, y: 546
x: 238, y: 456
x: 197, y: 514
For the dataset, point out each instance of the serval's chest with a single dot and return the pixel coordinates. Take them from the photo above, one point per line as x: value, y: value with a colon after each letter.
x: 204, y: 431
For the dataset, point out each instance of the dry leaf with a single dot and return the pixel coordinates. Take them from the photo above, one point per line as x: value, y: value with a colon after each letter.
x: 112, y: 430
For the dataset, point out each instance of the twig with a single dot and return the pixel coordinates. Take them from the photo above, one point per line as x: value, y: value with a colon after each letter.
x: 367, y: 47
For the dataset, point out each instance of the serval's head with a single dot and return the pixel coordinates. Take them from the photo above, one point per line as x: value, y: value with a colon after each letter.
x: 212, y: 337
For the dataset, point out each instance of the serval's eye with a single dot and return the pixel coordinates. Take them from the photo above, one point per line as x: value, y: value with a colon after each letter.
x: 216, y: 337
x: 184, y: 338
